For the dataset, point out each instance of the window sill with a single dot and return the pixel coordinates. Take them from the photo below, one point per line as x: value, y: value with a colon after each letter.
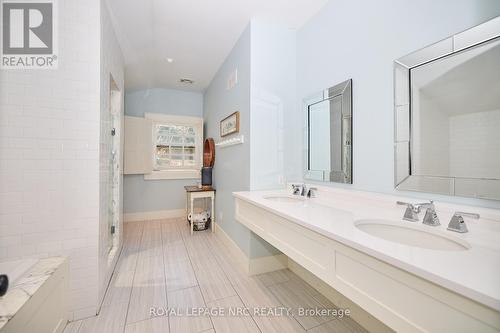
x: 172, y: 174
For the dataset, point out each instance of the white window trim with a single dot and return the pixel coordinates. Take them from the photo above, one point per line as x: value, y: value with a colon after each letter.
x: 158, y: 119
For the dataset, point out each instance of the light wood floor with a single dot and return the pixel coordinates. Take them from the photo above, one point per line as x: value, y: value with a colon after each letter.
x: 162, y: 266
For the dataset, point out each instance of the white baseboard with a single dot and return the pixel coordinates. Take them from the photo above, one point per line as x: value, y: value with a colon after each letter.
x: 234, y: 249
x: 252, y: 266
x: 153, y: 215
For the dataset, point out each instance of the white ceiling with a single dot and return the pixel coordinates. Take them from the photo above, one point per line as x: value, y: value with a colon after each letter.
x: 196, y: 34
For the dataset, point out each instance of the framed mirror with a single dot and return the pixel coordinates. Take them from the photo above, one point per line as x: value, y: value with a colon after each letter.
x: 447, y: 116
x: 328, y: 152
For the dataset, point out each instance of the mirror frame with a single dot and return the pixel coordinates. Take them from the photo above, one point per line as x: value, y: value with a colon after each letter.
x: 344, y: 90
x: 403, y: 179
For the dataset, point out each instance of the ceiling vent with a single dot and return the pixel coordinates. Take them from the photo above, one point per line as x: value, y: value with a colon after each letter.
x: 186, y: 81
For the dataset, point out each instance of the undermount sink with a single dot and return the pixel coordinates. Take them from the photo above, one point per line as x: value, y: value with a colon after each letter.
x: 411, y: 235
x: 284, y: 198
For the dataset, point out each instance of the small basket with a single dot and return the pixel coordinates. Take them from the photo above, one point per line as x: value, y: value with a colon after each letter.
x: 199, y: 226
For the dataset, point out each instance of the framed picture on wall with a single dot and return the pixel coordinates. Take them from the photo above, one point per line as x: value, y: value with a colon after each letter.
x: 230, y: 124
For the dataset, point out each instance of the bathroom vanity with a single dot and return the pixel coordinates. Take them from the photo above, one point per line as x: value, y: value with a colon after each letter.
x: 412, y: 277
x: 434, y: 273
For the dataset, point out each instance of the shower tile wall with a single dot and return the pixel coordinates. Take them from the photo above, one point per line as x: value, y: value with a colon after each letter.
x: 111, y: 65
x: 49, y: 155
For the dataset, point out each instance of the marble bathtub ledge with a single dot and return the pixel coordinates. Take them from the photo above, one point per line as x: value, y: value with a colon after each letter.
x: 23, y: 289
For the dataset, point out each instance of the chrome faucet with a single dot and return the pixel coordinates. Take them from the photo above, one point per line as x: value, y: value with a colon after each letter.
x: 311, y: 192
x: 412, y: 211
x: 302, y: 190
x: 457, y: 223
x: 431, y: 218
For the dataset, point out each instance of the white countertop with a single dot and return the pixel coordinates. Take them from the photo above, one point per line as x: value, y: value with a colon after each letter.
x: 474, y: 273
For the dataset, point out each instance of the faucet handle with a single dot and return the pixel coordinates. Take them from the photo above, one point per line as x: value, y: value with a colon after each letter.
x: 429, y: 204
x: 414, y: 207
x: 471, y: 215
x: 457, y: 223
x: 402, y: 203
x: 411, y: 213
x: 297, y: 189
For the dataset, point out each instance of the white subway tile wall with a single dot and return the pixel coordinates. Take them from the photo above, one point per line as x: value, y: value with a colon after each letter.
x: 49, y: 155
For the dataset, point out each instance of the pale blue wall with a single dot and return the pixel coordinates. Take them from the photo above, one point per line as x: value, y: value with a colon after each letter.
x: 360, y: 39
x: 141, y: 195
x: 232, y: 164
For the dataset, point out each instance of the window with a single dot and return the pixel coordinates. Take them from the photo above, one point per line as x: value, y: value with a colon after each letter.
x: 177, y: 146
